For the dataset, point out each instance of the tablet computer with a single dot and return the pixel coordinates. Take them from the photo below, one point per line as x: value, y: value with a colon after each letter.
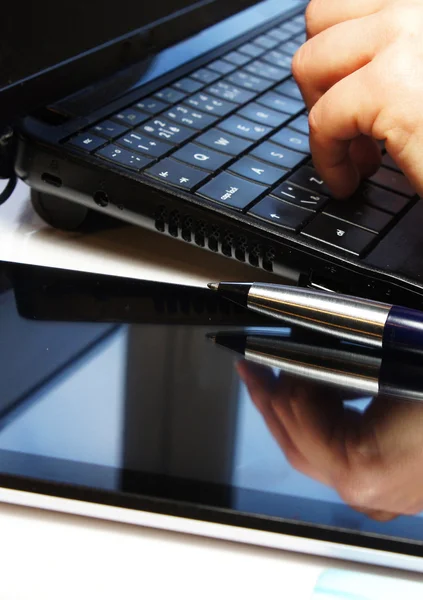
x: 118, y: 401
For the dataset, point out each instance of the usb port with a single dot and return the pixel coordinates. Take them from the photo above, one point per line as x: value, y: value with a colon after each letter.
x: 51, y: 179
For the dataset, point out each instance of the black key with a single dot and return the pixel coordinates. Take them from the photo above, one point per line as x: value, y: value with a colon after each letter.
x: 393, y: 181
x: 203, y: 158
x: 214, y: 138
x: 280, y: 34
x: 388, y: 162
x: 131, y: 117
x: 151, y: 106
x: 178, y: 174
x: 295, y: 195
x: 226, y: 91
x: 339, y: 234
x: 280, y: 213
x: 309, y: 179
x: 232, y: 191
x: 126, y: 158
x: 400, y: 251
x: 87, y: 142
x: 166, y: 130
x: 251, y: 50
x: 278, y: 59
x: 300, y: 124
x: 271, y: 72
x: 257, y: 171
x: 283, y: 103
x: 266, y: 41
x: 281, y: 157
x: 382, y: 199
x: 188, y: 85
x: 264, y: 115
x: 170, y: 95
x: 205, y: 75
x: 144, y: 144
x: 109, y: 130
x: 291, y: 89
x: 249, y: 82
x: 293, y: 26
x: 236, y: 58
x: 293, y: 140
x: 289, y: 48
x: 359, y: 214
x: 211, y: 105
x: 243, y: 128
x: 222, y: 67
x: 190, y: 117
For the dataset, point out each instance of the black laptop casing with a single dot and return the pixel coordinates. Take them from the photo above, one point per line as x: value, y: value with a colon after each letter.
x: 390, y: 272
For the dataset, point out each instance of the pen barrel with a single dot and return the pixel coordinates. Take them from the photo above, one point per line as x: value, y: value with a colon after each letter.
x: 403, y: 331
x: 345, y: 317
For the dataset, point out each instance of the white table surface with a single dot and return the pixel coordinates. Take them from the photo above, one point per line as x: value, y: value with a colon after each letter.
x: 46, y: 555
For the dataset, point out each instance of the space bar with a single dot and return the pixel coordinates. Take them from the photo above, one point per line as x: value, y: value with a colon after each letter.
x: 401, y: 250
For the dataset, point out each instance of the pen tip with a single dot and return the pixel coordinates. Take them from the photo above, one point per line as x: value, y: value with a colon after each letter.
x: 213, y: 286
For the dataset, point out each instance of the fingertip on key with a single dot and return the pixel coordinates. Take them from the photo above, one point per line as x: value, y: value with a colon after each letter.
x: 342, y: 180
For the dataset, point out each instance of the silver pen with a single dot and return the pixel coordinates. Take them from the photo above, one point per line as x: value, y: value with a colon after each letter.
x: 376, y: 324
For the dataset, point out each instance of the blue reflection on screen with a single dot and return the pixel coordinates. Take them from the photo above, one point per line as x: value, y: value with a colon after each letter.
x: 78, y: 415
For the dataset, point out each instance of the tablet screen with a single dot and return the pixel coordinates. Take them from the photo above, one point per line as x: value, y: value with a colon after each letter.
x: 156, y: 415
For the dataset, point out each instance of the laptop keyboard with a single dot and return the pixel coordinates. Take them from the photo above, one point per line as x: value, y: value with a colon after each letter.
x: 235, y: 132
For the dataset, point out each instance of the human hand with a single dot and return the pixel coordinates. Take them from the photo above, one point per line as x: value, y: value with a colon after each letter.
x: 361, y: 75
x: 373, y: 460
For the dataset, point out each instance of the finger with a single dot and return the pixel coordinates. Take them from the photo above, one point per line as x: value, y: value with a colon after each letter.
x: 317, y: 66
x: 407, y: 149
x: 378, y: 515
x: 322, y: 14
x: 311, y: 423
x: 260, y: 381
x: 366, y: 155
x: 349, y: 109
x: 400, y: 432
x: 257, y: 381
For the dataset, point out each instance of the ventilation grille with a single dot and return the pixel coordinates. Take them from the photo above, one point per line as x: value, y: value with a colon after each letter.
x: 214, y: 238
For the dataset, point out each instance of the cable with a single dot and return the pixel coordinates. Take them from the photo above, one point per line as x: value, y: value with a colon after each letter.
x: 7, y: 157
x: 8, y: 190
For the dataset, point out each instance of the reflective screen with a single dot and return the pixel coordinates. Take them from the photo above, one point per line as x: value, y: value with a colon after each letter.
x: 168, y: 410
x: 37, y: 35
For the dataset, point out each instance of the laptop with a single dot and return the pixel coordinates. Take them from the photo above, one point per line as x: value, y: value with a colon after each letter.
x: 183, y: 117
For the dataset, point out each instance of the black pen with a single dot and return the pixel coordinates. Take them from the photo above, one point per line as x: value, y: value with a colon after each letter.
x: 341, y: 365
x: 358, y: 320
